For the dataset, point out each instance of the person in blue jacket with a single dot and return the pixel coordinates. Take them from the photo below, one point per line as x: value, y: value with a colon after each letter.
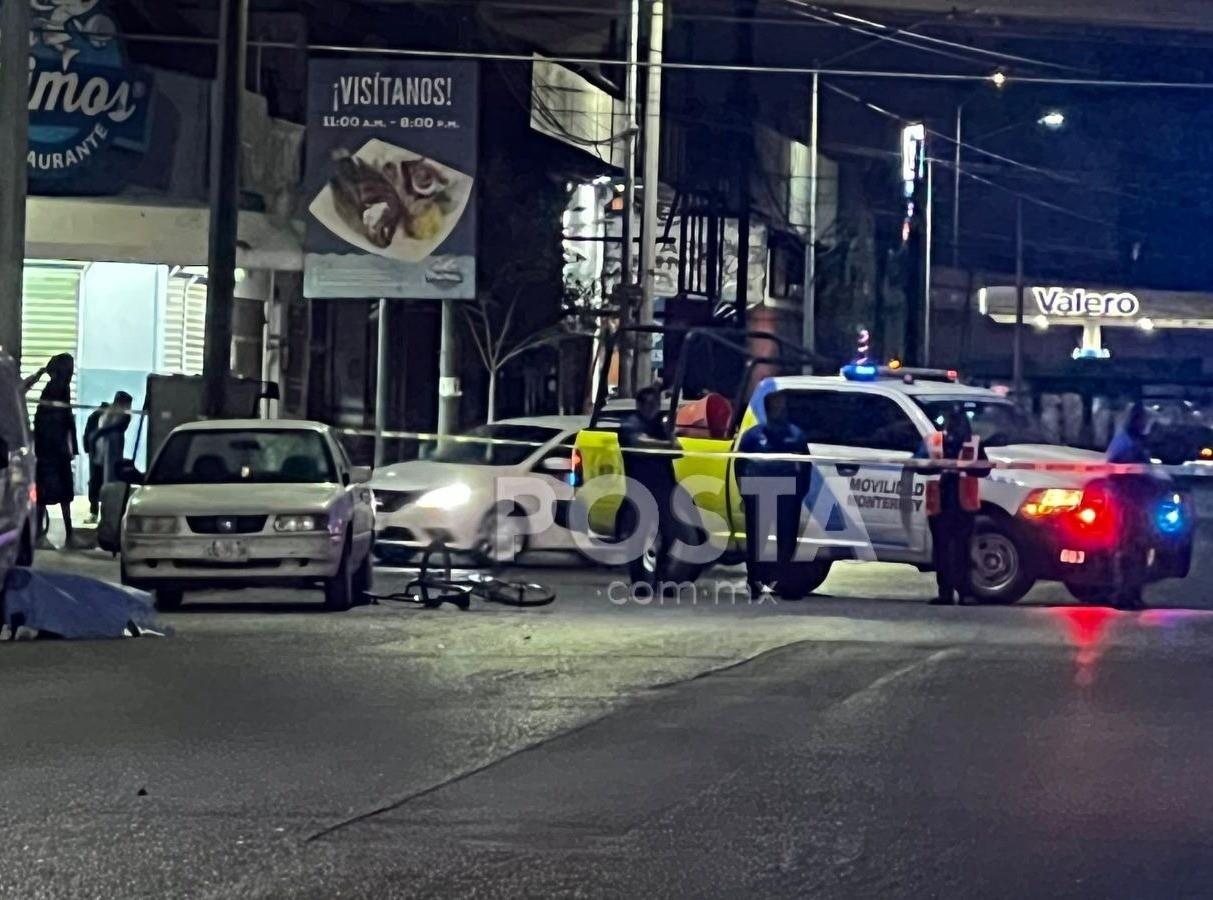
x: 1129, y: 443
x: 777, y: 435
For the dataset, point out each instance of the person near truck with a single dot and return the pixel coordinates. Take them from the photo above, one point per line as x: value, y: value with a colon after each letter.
x: 1129, y: 447
x: 953, y: 501
x: 55, y: 447
x: 643, y: 437
x: 105, y: 444
x: 776, y: 435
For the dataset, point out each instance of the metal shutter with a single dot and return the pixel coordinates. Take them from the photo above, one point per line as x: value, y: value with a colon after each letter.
x: 184, y: 325
x: 50, y: 316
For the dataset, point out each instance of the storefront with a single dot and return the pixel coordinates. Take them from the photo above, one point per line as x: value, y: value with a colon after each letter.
x: 123, y: 287
x: 116, y: 221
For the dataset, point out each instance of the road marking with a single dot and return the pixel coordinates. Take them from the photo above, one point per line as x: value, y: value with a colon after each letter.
x: 865, y: 693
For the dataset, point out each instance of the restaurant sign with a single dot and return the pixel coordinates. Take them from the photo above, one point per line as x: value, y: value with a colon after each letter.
x: 83, y: 95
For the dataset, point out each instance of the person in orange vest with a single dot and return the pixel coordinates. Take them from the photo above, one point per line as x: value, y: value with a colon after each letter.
x: 953, y: 500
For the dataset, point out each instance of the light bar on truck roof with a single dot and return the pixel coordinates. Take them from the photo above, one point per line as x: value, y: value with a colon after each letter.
x: 871, y: 372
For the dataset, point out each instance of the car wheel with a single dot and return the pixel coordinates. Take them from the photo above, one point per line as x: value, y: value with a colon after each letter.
x: 394, y: 556
x: 501, y: 540
x: 656, y: 565
x: 1000, y: 573
x: 169, y: 599
x: 339, y: 590
x: 797, y: 580
x: 362, y: 578
x: 645, y: 568
x: 25, y: 553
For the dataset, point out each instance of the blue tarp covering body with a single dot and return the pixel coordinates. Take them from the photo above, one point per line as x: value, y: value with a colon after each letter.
x: 74, y: 607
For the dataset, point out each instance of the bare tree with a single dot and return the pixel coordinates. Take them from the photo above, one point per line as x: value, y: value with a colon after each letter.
x: 492, y: 329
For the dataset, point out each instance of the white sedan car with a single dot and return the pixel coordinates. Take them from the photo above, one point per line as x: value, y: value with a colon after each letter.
x: 250, y: 503
x: 452, y: 498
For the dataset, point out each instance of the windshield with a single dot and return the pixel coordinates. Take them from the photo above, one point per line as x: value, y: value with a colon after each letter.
x: 524, y: 440
x: 244, y: 457
x: 997, y: 422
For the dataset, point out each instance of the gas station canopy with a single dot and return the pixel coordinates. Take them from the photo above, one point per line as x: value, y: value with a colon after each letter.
x: 1045, y: 305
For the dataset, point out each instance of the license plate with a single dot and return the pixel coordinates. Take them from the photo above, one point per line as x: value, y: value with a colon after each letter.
x: 227, y: 551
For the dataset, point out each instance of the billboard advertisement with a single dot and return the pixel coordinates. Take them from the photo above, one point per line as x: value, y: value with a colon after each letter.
x: 390, y: 181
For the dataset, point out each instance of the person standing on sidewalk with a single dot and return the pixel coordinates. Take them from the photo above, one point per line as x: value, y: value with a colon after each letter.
x: 105, y: 444
x: 55, y: 446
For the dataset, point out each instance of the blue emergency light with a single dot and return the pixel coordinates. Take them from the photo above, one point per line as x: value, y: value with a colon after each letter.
x: 1170, y: 515
x: 860, y: 372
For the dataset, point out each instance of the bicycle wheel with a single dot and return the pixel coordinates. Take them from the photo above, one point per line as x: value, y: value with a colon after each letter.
x: 517, y: 593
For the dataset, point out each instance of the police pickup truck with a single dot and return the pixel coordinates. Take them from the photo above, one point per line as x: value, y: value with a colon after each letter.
x: 1045, y: 514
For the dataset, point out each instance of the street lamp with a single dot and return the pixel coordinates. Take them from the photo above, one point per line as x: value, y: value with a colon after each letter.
x: 999, y: 80
x: 1052, y: 120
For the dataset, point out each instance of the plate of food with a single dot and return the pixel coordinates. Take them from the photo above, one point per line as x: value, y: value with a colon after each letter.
x: 391, y: 201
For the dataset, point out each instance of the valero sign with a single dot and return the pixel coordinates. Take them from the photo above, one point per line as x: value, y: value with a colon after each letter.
x: 1056, y: 302
x: 84, y: 98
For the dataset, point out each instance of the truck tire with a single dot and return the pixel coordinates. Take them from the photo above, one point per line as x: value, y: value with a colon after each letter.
x: 798, y: 580
x: 656, y: 565
x: 1001, y: 572
x: 1093, y: 594
x: 169, y: 599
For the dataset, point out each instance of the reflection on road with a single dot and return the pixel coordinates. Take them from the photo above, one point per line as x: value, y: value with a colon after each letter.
x: 1087, y: 628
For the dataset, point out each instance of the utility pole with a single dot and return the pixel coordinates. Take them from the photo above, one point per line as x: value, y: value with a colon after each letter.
x: 809, y: 329
x: 652, y: 183
x: 14, y: 147
x: 1017, y: 345
x: 926, y: 290
x: 449, y: 391
x: 745, y: 139
x: 226, y: 101
x: 960, y: 112
x: 382, y: 377
x: 627, y: 249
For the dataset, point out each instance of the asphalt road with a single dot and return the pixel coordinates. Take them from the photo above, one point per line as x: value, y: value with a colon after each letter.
x: 859, y: 743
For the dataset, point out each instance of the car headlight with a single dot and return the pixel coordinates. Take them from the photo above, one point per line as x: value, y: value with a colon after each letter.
x: 450, y: 497
x: 151, y: 524
x: 297, y: 524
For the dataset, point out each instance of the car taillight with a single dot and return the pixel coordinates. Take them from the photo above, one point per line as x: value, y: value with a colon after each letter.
x: 1094, y: 522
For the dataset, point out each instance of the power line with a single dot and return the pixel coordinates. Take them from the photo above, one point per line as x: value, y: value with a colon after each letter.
x: 1006, y: 160
x: 502, y: 56
x: 843, y: 20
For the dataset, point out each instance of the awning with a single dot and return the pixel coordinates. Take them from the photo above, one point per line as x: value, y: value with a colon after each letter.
x: 106, y: 229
